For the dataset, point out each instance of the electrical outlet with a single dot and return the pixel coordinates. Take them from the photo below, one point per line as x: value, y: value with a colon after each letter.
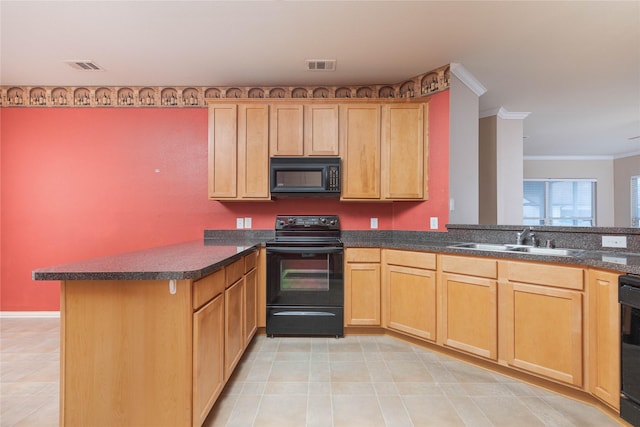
x: 433, y: 222
x: 615, y: 259
x: 247, y: 222
x: 239, y: 222
x: 614, y: 241
x: 374, y: 222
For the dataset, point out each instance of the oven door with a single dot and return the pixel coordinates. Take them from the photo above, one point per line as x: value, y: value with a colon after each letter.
x: 305, y: 276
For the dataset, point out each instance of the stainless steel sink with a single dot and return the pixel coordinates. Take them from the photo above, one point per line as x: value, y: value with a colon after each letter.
x: 483, y: 247
x: 496, y: 247
x: 549, y: 251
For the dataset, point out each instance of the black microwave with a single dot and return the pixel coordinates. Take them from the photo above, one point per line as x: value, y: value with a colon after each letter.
x: 305, y: 176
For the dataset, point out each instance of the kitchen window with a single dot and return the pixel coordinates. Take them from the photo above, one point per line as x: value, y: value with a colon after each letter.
x: 561, y: 202
x: 635, y: 201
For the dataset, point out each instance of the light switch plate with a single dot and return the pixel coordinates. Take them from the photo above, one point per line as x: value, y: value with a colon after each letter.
x: 614, y: 241
x: 247, y: 222
x: 433, y: 222
x: 239, y: 222
x: 374, y: 223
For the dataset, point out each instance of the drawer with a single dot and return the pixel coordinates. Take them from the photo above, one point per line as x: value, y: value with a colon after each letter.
x: 362, y: 254
x: 423, y: 260
x: 234, y: 272
x: 250, y: 261
x: 205, y: 289
x: 470, y: 266
x: 545, y: 274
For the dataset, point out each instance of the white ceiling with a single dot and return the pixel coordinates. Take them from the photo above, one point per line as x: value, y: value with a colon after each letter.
x: 575, y: 66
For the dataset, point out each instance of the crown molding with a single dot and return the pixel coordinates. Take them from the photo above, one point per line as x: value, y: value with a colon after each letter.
x: 502, y: 113
x: 622, y: 156
x: 468, y: 79
x: 565, y: 158
x: 602, y: 157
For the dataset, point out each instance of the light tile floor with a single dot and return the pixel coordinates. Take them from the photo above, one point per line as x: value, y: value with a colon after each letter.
x: 354, y: 381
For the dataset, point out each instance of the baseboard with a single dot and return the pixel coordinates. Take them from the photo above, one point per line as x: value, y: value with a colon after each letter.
x: 29, y: 314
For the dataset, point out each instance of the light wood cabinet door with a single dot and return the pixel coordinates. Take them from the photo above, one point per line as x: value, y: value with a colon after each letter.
x: 321, y: 130
x: 410, y: 300
x: 404, y: 151
x: 233, y: 326
x: 604, y: 337
x: 543, y: 331
x: 253, y: 152
x: 208, y: 357
x: 362, y: 287
x: 223, y: 153
x: 360, y: 148
x: 250, y: 305
x: 469, y: 314
x: 287, y: 130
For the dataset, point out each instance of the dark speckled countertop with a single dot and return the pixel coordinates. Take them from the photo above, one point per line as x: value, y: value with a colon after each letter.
x: 622, y: 261
x: 191, y: 260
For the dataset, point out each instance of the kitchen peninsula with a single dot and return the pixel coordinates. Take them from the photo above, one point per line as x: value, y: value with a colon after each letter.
x: 151, y: 337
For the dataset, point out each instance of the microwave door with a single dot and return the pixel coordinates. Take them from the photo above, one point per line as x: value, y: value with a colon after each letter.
x: 300, y: 180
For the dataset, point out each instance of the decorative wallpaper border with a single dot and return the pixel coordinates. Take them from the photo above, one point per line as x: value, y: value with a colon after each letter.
x: 181, y: 96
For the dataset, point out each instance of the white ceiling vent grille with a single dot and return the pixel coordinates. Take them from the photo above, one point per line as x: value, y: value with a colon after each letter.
x: 84, y: 65
x: 321, y: 64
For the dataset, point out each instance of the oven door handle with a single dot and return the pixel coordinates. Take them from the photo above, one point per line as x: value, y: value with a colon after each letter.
x: 306, y: 250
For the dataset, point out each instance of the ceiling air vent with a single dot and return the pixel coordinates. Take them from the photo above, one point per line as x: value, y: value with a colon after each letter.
x: 84, y: 65
x: 321, y: 64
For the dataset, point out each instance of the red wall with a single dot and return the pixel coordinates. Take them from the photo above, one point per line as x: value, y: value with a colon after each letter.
x: 79, y: 183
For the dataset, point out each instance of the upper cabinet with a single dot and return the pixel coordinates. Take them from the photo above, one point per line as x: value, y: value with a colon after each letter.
x: 385, y: 151
x: 304, y: 130
x: 360, y: 140
x: 253, y: 152
x: 404, y: 148
x: 321, y: 130
x: 223, y: 151
x: 287, y: 130
x: 238, y: 152
x: 383, y: 145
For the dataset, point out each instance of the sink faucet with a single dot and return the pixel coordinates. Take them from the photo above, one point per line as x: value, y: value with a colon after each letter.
x: 521, y: 237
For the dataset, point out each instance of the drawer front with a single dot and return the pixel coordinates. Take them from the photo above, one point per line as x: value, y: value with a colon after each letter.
x: 545, y: 274
x: 362, y: 255
x: 250, y: 261
x: 422, y: 260
x: 234, y: 272
x: 205, y: 289
x: 470, y: 266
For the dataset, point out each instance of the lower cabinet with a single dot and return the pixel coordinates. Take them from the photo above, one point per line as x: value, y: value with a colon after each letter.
x: 556, y: 321
x: 208, y: 357
x: 362, y: 287
x: 250, y: 305
x: 468, y: 317
x: 604, y: 337
x: 222, y: 328
x: 409, y: 289
x: 233, y: 330
x: 543, y: 324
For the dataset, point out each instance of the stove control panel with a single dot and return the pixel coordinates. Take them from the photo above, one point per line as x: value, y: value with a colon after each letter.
x: 319, y: 222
